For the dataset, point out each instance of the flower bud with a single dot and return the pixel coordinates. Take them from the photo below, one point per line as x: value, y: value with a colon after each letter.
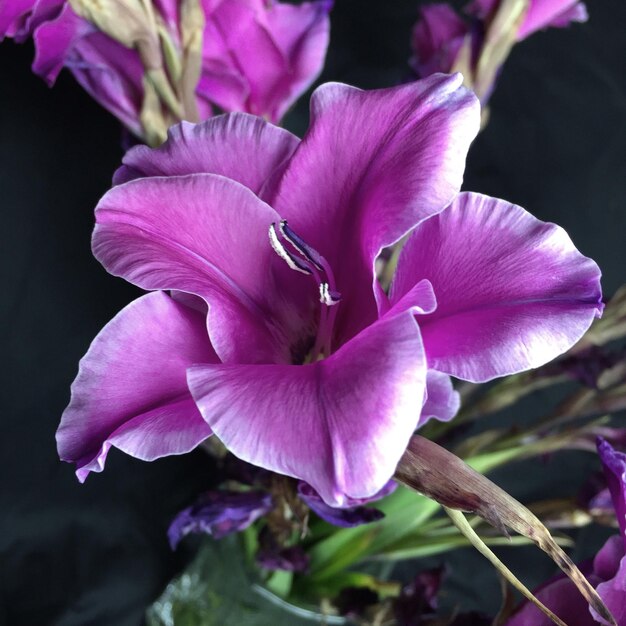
x: 437, y: 473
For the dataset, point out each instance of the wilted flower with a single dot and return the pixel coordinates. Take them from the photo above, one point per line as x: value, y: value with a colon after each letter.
x: 354, y: 513
x: 607, y: 571
x: 219, y: 513
x: 153, y: 64
x: 308, y: 368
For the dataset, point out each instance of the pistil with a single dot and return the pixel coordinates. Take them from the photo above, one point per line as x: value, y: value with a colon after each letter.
x: 302, y: 258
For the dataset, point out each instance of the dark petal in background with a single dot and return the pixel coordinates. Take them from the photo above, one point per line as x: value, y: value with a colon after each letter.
x: 97, y: 554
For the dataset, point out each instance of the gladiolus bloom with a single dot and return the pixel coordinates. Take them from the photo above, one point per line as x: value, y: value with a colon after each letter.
x: 268, y: 326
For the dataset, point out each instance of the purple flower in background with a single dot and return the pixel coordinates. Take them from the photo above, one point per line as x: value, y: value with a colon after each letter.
x: 445, y: 41
x: 252, y: 55
x: 219, y: 513
x: 437, y: 39
x: 287, y: 348
x: 539, y: 14
x: 607, y: 571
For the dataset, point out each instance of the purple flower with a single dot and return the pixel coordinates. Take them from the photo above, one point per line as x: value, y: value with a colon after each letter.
x: 444, y: 41
x: 219, y: 513
x: 539, y: 15
x: 607, y: 571
x: 256, y: 56
x: 289, y: 350
x: 437, y: 39
x: 352, y: 514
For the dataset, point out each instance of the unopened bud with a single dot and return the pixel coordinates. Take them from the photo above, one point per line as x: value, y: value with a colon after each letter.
x: 130, y: 22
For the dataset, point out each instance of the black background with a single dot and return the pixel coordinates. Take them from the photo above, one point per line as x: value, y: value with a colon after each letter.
x: 96, y: 553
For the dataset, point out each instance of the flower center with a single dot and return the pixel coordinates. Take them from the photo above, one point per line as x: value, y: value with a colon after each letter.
x: 301, y: 257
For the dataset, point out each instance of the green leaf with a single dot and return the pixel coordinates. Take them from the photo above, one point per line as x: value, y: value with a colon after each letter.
x: 404, y: 511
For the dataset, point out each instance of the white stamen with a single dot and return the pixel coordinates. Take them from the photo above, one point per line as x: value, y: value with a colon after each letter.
x: 282, y: 252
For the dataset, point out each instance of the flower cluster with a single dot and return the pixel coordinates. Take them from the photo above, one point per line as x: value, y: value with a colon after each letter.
x: 152, y: 64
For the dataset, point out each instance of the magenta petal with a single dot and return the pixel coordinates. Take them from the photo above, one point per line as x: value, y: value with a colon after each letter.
x: 556, y: 13
x: 131, y: 390
x: 219, y: 250
x: 12, y: 12
x: 301, y: 32
x: 239, y: 146
x: 19, y: 18
x: 111, y: 74
x: 606, y: 563
x: 442, y: 401
x: 372, y: 165
x: 614, y: 465
x: 512, y: 292
x: 613, y: 593
x: 340, y: 424
x: 54, y: 41
x: 235, y: 33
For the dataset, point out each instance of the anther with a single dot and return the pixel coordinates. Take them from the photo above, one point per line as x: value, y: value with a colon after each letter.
x: 301, y: 246
x: 292, y: 261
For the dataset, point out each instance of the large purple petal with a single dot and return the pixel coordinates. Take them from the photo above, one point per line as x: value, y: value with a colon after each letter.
x: 340, y: 424
x: 512, y: 292
x: 239, y: 146
x: 131, y: 390
x: 206, y: 235
x: 372, y: 165
x: 219, y: 513
x: 614, y: 465
x: 354, y: 514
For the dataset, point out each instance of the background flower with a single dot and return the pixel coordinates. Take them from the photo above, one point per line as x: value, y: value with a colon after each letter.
x: 607, y: 571
x: 183, y: 62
